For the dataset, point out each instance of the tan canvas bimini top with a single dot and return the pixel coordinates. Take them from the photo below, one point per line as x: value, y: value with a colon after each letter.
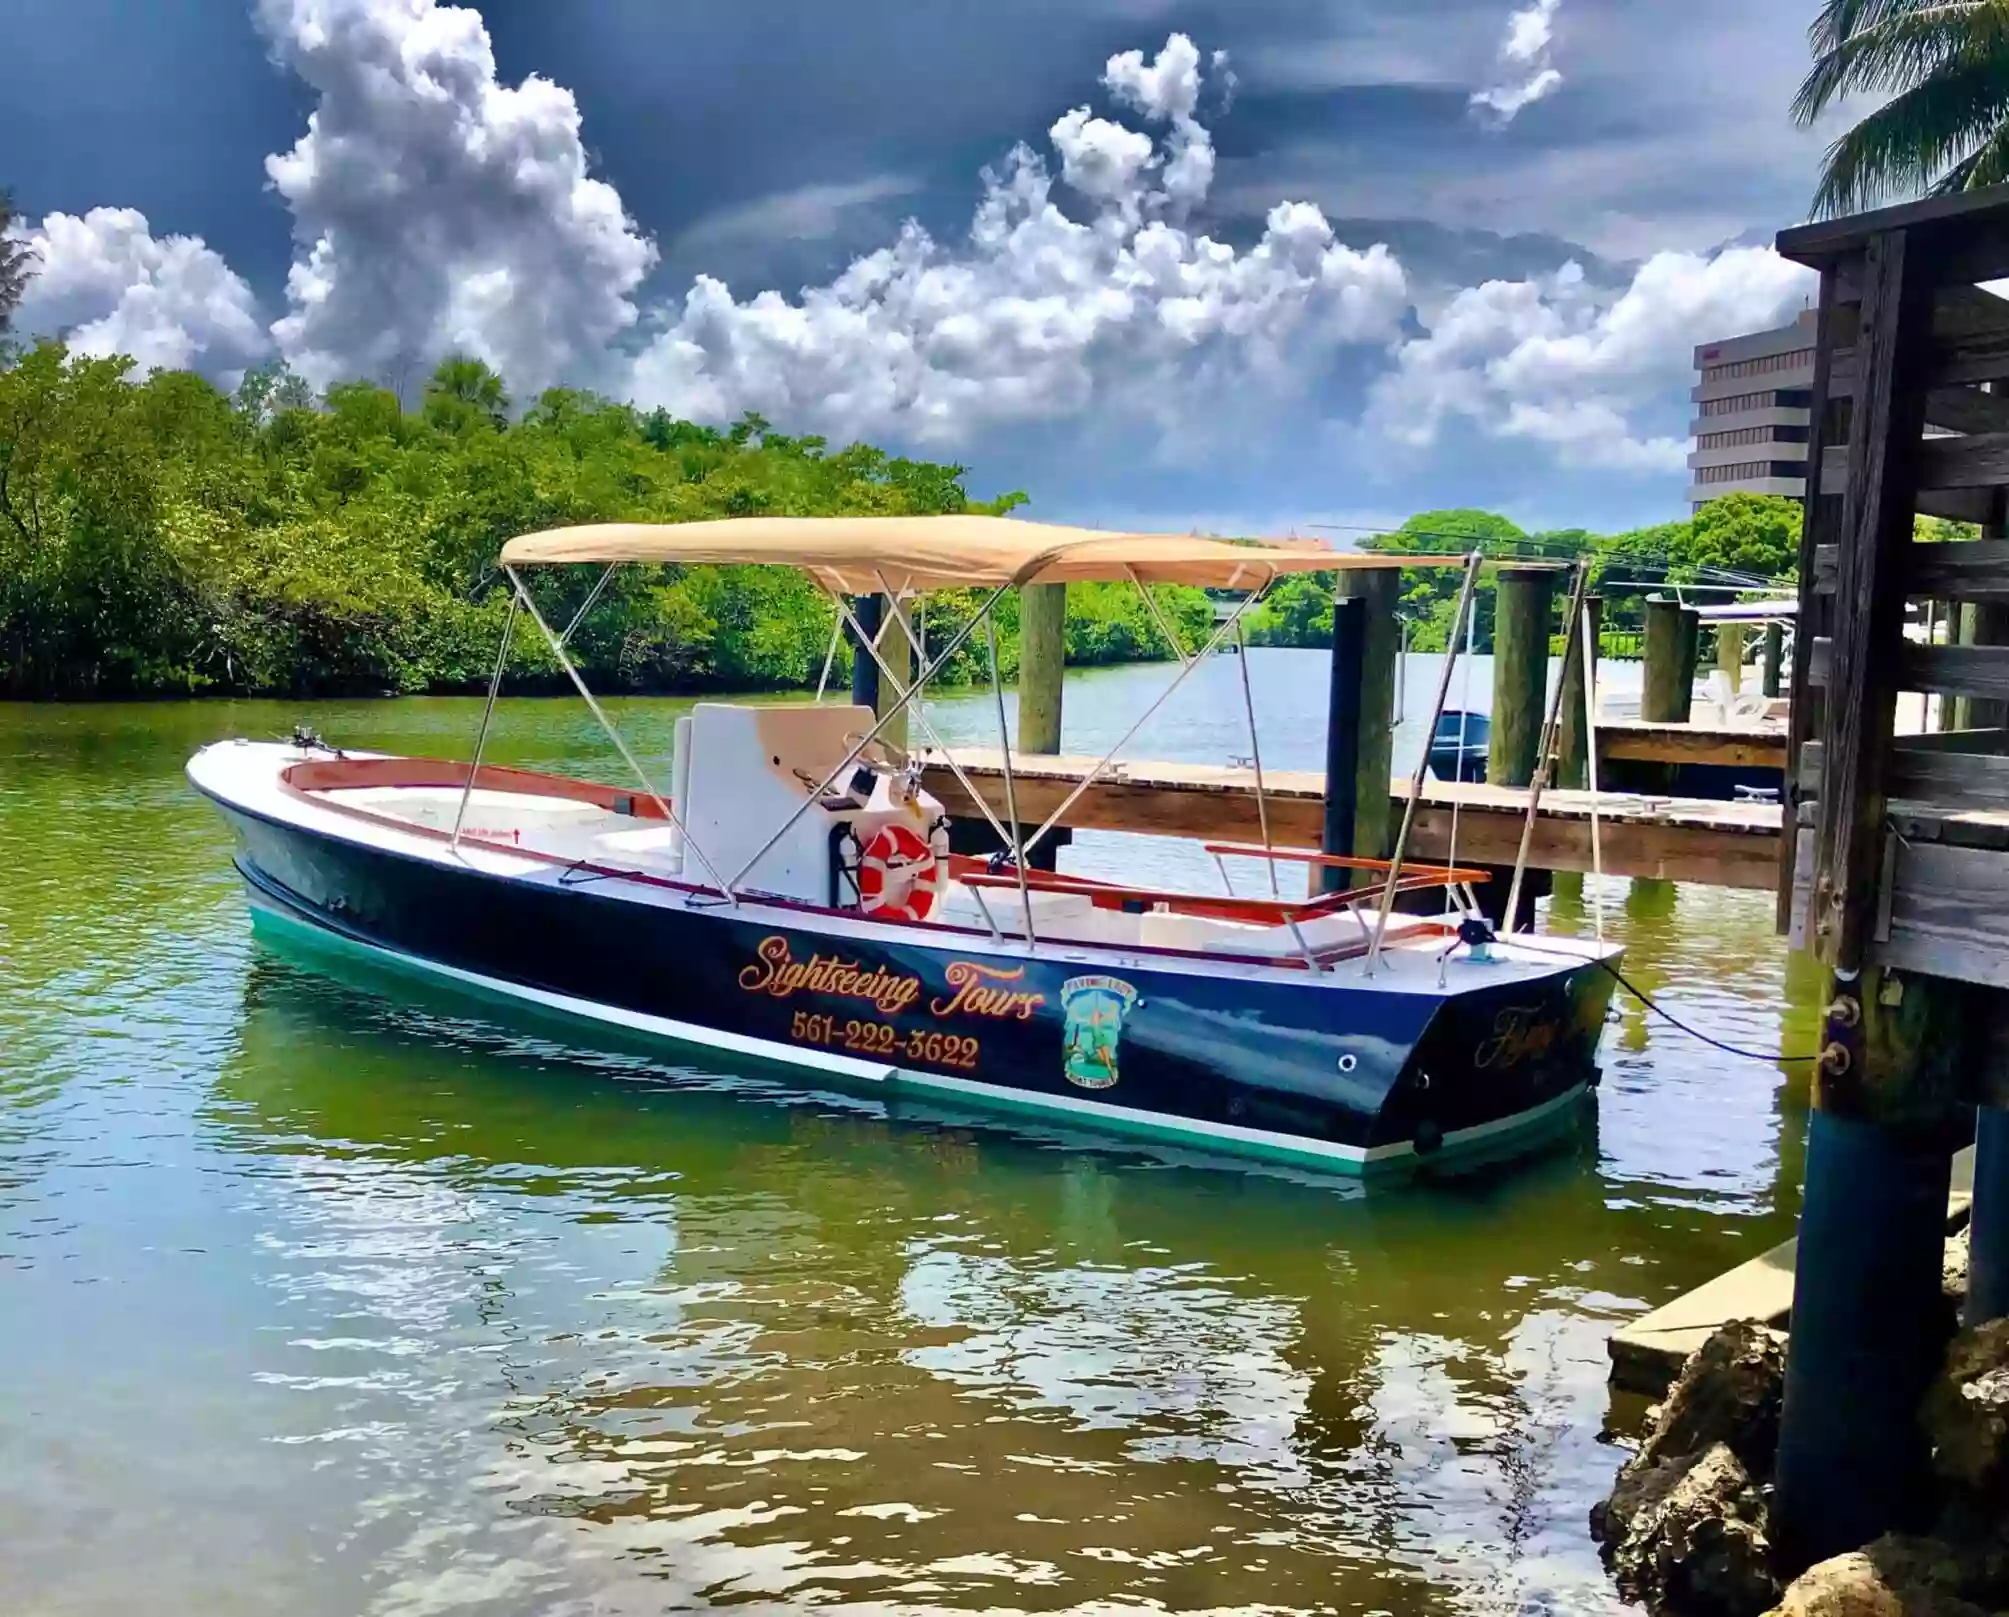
x: 860, y: 555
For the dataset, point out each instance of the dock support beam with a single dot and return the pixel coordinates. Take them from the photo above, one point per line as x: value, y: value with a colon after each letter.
x: 1988, y: 1223
x: 1775, y: 655
x: 1379, y: 588
x: 864, y: 671
x: 1670, y: 676
x: 1867, y: 1330
x: 1042, y: 665
x: 1342, y: 736
x: 1520, y: 673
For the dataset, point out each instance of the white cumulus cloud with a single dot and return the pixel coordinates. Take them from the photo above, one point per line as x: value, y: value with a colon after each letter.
x: 436, y: 208
x: 1525, y: 72
x: 1038, y: 315
x: 107, y: 285
x: 1549, y: 361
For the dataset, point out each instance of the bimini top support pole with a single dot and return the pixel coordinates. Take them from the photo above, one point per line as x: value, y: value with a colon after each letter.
x: 956, y: 642
x: 614, y: 735
x: 1145, y: 717
x: 487, y: 713
x: 1546, y: 748
x: 1011, y: 789
x: 1422, y: 765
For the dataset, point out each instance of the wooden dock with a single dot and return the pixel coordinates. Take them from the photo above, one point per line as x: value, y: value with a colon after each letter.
x: 1669, y: 838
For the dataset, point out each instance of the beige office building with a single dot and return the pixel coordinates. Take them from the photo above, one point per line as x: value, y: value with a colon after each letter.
x: 1752, y: 399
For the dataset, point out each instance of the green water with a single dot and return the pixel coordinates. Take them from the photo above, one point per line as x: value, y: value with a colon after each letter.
x: 318, y: 1300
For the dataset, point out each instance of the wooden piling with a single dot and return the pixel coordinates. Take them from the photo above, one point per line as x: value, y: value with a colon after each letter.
x: 1342, y: 736
x: 1988, y: 1223
x: 1691, y: 659
x: 1520, y: 672
x: 899, y: 655
x: 1573, y: 748
x: 1775, y: 656
x: 1730, y: 654
x: 1666, y: 694
x: 864, y: 671
x: 1853, y: 1461
x: 1373, y: 812
x: 1042, y: 665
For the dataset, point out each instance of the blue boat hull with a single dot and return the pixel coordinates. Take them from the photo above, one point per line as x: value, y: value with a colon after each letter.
x: 1339, y: 1075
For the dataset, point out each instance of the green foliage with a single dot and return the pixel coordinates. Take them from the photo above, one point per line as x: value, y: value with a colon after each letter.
x: 1945, y: 126
x: 158, y: 537
x: 1755, y: 534
x: 17, y: 263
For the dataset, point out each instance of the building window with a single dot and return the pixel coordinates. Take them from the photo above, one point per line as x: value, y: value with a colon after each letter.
x: 1740, y: 471
x: 1751, y: 435
x: 1764, y: 365
x: 1785, y: 398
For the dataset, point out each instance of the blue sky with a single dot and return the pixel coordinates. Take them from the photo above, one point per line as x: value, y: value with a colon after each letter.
x: 1253, y: 267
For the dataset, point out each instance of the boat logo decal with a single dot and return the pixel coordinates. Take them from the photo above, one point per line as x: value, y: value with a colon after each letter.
x: 1520, y: 1033
x: 988, y: 992
x: 1096, y: 1008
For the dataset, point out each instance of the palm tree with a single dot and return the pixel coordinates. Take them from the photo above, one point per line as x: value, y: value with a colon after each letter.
x: 17, y: 263
x: 463, y: 387
x: 1946, y: 127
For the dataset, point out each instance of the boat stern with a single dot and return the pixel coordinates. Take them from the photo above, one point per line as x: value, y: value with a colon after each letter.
x: 1502, y: 1058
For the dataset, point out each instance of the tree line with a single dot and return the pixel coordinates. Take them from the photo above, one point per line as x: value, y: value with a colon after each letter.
x: 158, y: 537
x: 1738, y: 536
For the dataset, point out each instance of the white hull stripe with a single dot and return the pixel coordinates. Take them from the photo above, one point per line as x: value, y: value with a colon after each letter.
x: 1130, y: 1120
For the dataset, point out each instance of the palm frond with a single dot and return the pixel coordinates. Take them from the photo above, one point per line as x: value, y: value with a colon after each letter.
x: 1909, y: 142
x: 1840, y: 20
x: 1987, y: 164
x: 1902, y: 48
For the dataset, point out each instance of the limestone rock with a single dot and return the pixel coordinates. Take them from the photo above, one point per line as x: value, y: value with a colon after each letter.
x: 1953, y: 1272
x: 1966, y: 1414
x: 1694, y: 1538
x: 1894, y: 1577
x: 1729, y: 1391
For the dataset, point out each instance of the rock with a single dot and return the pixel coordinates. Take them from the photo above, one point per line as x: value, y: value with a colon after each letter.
x: 1894, y: 1577
x: 1694, y: 1538
x: 1966, y: 1414
x: 1729, y: 1391
x: 1953, y: 1269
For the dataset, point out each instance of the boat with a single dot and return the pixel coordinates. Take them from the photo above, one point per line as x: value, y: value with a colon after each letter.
x: 788, y: 894
x: 1460, y: 744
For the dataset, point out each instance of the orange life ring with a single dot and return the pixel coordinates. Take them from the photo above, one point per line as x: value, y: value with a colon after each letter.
x: 899, y: 874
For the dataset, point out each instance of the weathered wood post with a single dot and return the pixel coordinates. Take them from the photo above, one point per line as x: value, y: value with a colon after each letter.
x: 1852, y: 1459
x: 1573, y: 746
x: 1042, y: 665
x: 1664, y: 697
x: 1775, y: 656
x: 1377, y: 589
x: 1342, y: 737
x: 1730, y: 654
x: 1520, y: 672
x: 899, y: 674
x: 1691, y: 659
x: 864, y: 671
